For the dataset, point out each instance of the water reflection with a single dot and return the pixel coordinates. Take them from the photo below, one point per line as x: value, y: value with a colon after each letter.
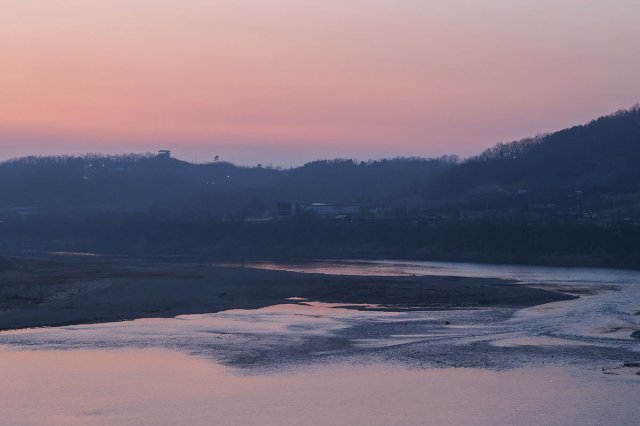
x: 160, y: 387
x: 610, y: 298
x: 316, y: 363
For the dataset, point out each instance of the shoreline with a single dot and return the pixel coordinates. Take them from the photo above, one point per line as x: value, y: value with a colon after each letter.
x: 551, y: 259
x: 54, y: 291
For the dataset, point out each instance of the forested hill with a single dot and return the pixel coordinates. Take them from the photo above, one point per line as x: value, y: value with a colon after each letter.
x: 571, y: 198
x: 599, y: 157
x: 95, y: 183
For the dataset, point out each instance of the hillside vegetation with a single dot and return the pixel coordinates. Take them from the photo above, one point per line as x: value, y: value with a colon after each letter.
x: 129, y: 183
x: 571, y: 197
x: 601, y: 156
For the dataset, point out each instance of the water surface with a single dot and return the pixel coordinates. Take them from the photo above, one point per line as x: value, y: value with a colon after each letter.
x: 89, y: 387
x: 306, y: 362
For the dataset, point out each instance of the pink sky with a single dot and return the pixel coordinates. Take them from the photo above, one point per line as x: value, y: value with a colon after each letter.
x: 287, y: 81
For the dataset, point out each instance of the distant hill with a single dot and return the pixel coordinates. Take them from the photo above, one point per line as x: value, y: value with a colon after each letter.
x: 601, y: 159
x: 128, y: 183
x: 567, y: 198
x: 602, y: 156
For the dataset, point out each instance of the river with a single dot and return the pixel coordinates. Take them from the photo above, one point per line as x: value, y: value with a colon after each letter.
x: 307, y: 362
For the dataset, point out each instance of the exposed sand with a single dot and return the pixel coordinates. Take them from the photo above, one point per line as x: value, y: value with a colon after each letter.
x: 57, y: 291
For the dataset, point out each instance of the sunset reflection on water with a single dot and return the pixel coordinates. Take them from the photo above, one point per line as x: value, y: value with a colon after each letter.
x: 100, y: 387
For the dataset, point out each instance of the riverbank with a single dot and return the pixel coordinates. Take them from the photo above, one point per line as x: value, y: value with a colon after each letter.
x: 53, y: 291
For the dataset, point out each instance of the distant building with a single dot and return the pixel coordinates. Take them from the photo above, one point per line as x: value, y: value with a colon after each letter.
x: 329, y: 210
x: 164, y: 153
x: 318, y: 209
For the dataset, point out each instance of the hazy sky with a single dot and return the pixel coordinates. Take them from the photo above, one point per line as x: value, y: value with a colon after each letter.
x: 285, y: 81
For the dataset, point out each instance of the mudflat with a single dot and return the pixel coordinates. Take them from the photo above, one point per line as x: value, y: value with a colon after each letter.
x: 52, y: 291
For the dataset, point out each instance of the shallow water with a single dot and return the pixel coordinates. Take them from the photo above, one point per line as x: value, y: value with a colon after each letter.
x: 315, y: 363
x: 161, y: 387
x: 605, y: 315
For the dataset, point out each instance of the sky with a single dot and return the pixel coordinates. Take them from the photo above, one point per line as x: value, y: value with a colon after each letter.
x: 283, y: 82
